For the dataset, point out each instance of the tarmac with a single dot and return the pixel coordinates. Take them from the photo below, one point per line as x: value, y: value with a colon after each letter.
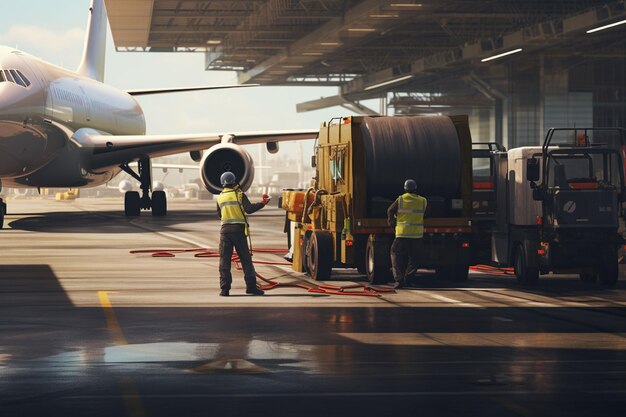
x: 89, y: 328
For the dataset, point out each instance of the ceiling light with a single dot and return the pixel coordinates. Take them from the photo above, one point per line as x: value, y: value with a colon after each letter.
x: 514, y: 51
x: 330, y: 43
x: 621, y: 22
x: 292, y: 66
x: 213, y: 42
x: 395, y: 80
x: 361, y: 30
x: 313, y: 53
x: 384, y: 16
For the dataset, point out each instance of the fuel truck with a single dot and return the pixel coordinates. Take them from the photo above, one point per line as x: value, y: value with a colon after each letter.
x: 559, y: 205
x: 361, y: 164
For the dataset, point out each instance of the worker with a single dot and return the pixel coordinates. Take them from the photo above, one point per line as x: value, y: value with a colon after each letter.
x: 232, y: 207
x: 407, y: 215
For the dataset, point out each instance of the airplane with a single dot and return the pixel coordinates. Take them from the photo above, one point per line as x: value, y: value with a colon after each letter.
x: 60, y: 128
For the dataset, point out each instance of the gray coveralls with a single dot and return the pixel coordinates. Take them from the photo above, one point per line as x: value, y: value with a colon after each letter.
x: 233, y: 235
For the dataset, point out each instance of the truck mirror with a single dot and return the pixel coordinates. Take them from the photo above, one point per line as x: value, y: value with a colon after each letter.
x: 313, y: 162
x: 537, y: 193
x: 532, y: 169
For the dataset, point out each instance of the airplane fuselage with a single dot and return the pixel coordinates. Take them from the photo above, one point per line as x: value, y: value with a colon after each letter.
x: 41, y: 107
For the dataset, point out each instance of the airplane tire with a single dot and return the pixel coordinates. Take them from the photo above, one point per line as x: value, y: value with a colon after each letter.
x: 3, y: 211
x: 132, y: 204
x: 159, y: 204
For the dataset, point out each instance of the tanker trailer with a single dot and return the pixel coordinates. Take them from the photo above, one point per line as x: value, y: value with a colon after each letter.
x: 361, y: 165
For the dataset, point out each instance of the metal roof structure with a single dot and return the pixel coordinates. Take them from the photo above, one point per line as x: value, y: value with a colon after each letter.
x: 423, y: 50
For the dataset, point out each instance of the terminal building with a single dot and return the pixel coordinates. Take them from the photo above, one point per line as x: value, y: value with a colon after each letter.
x: 516, y: 67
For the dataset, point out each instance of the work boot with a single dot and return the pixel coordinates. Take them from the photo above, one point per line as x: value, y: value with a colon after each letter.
x: 224, y: 293
x: 255, y: 291
x: 398, y: 285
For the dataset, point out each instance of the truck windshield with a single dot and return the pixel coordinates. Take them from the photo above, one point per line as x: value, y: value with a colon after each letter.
x: 588, y: 170
x: 481, y: 167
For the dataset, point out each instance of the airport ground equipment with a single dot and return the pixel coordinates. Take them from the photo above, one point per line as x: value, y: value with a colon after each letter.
x: 484, y: 204
x: 361, y: 165
x: 563, y: 202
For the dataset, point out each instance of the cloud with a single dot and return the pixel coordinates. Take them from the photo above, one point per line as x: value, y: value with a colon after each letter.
x: 59, y: 47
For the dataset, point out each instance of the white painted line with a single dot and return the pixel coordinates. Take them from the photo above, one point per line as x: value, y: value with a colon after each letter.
x: 453, y: 301
x: 504, y: 319
x: 444, y: 299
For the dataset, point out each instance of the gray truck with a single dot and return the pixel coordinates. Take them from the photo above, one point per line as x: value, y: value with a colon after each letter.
x: 560, y: 206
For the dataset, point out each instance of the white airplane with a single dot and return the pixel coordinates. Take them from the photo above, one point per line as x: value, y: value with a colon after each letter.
x: 60, y: 128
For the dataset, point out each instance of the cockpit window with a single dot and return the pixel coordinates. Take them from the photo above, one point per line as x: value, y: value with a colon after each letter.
x: 14, y: 76
x: 26, y: 80
x: 8, y: 76
x: 17, y: 78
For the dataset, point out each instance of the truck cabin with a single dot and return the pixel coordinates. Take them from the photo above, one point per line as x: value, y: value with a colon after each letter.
x: 583, y: 169
x: 484, y: 179
x: 580, y: 159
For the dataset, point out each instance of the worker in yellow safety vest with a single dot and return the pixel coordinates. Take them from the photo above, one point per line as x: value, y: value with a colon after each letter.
x: 407, y: 215
x: 232, y: 207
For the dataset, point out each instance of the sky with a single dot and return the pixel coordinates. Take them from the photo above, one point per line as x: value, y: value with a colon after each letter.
x: 55, y: 30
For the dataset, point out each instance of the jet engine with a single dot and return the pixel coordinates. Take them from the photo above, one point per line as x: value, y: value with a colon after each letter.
x: 226, y: 157
x: 125, y: 186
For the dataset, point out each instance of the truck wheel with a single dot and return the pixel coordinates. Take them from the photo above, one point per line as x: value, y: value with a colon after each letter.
x: 608, y: 270
x: 304, y: 252
x: 525, y: 274
x: 377, y: 260
x: 320, y: 256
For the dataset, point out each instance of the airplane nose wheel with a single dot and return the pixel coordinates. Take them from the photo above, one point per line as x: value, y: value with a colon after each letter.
x: 134, y: 203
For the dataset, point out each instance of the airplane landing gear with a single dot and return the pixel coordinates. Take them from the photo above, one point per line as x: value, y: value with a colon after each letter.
x: 134, y: 202
x: 3, y: 211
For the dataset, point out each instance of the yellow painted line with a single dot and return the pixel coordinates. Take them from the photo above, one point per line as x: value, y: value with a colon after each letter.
x: 132, y: 400
x: 112, y: 324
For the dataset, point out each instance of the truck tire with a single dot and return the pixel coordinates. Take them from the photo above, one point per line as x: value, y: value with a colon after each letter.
x: 377, y: 259
x: 304, y: 252
x: 526, y: 275
x: 320, y: 256
x: 608, y: 269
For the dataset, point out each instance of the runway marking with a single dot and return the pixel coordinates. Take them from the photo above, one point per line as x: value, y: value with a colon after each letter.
x: 453, y: 301
x: 345, y: 394
x: 540, y: 340
x: 112, y: 324
x: 133, y: 403
x: 169, y: 235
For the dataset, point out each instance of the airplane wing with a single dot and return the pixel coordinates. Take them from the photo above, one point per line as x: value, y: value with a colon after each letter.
x: 110, y: 150
x: 146, y: 92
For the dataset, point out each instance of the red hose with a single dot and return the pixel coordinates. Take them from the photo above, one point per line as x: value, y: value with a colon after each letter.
x: 492, y: 270
x: 366, y: 290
